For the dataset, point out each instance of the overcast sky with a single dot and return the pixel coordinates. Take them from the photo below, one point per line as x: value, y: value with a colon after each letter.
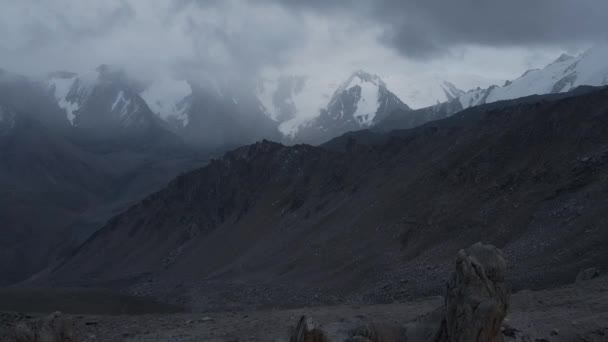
x: 410, y: 43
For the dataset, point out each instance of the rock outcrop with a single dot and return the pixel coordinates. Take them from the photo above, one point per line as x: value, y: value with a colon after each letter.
x: 587, y: 274
x: 477, y: 297
x: 476, y: 304
x: 54, y: 328
x: 305, y: 332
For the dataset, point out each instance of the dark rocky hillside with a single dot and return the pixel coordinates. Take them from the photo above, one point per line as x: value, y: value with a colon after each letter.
x: 269, y: 224
x: 405, y: 119
x: 54, y: 192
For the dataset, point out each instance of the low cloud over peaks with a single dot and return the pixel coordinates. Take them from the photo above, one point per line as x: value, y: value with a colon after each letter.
x: 239, y: 40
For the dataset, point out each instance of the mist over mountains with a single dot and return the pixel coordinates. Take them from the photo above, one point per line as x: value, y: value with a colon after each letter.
x: 84, y: 146
x: 272, y: 223
x: 108, y: 102
x: 206, y: 170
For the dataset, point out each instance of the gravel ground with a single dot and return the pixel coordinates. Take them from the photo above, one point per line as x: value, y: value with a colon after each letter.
x: 577, y: 312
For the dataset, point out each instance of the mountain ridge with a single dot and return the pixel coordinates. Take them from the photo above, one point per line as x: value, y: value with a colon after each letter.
x: 292, y: 220
x: 564, y: 74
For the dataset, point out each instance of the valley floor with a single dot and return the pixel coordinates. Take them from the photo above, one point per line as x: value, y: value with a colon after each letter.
x: 577, y: 312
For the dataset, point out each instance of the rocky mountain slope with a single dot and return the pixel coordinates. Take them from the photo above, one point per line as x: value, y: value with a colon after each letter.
x: 55, y: 193
x: 29, y: 96
x: 45, y: 181
x: 299, y: 225
x: 76, y: 149
x: 60, y: 184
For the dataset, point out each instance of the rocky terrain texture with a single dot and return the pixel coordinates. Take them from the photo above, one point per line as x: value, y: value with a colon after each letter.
x: 476, y: 303
x: 270, y: 225
x: 476, y: 293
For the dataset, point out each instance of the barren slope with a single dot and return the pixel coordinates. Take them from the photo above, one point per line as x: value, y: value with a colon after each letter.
x: 275, y: 225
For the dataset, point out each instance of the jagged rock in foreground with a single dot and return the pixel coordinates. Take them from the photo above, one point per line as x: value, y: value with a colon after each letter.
x: 587, y: 274
x: 477, y: 297
x: 304, y: 332
x: 54, y: 328
x: 476, y: 304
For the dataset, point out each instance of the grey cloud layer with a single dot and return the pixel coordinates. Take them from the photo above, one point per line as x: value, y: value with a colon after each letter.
x: 239, y: 38
x: 423, y: 28
x: 231, y: 38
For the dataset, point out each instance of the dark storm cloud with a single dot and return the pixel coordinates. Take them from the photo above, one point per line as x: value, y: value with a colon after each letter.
x: 52, y: 23
x: 423, y: 28
x: 233, y: 40
x: 248, y: 35
x: 227, y: 38
x: 239, y: 37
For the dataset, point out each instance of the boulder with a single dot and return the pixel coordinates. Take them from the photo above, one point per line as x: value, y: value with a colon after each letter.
x: 476, y: 303
x: 587, y: 274
x: 477, y: 297
x: 54, y: 328
x: 305, y: 332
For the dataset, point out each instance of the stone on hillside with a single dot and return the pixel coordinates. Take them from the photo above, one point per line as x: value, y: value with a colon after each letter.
x: 477, y: 298
x: 304, y: 332
x: 587, y: 274
x: 54, y: 328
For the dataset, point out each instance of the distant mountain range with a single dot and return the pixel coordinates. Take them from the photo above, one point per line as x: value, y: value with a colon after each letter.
x: 63, y: 173
x: 107, y: 102
x: 302, y: 225
x: 385, y: 111
x: 77, y: 149
x: 564, y: 74
x: 200, y: 113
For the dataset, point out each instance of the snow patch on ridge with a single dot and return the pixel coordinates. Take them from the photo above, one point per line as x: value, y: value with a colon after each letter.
x: 308, y: 102
x: 472, y: 98
x: 61, y: 87
x: 71, y: 92
x: 166, y: 99
x: 368, y: 103
x: 119, y: 99
x: 564, y: 74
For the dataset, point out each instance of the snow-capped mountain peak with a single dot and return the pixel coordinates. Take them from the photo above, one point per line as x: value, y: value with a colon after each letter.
x: 362, y: 92
x: 101, y: 97
x: 451, y: 91
x: 358, y: 77
x: 69, y: 88
x: 360, y: 102
x: 564, y: 74
x: 563, y: 58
